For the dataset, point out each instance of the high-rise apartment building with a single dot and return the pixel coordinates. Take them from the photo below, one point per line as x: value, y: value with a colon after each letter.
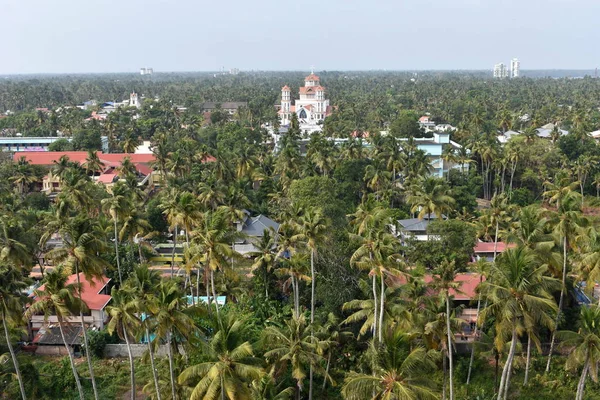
x: 500, y: 71
x: 515, y: 68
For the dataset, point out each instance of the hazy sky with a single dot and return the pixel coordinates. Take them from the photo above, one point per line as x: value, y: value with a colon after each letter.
x: 199, y: 35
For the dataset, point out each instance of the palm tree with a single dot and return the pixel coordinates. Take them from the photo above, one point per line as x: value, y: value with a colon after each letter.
x: 116, y: 207
x: 57, y: 297
x: 143, y: 281
x: 171, y: 318
x: 444, y: 281
x: 213, y: 240
x: 93, y: 163
x: 125, y: 322
x: 519, y: 297
x: 293, y: 346
x: 296, y: 269
x: 398, y: 372
x: 82, y: 246
x: 584, y: 346
x: 481, y: 267
x: 332, y: 332
x: 229, y: 365
x: 264, y: 256
x: 12, y: 301
x: 567, y: 222
x: 432, y: 196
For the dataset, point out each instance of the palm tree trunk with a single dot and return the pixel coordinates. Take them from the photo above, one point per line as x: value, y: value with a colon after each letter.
x: 444, y: 368
x: 312, y: 286
x: 13, y: 356
x: 449, y: 334
x: 381, y: 308
x: 503, y: 379
x: 528, y: 362
x: 73, y: 368
x: 131, y: 364
x: 171, y: 366
x: 214, y: 293
x: 85, y: 337
x: 560, y: 303
x: 266, y: 281
x: 581, y: 384
x: 327, y: 369
x: 474, y: 337
x: 496, y: 239
x: 173, y: 251
x: 154, y: 372
x: 117, y: 253
x: 512, y: 175
x: 375, y: 305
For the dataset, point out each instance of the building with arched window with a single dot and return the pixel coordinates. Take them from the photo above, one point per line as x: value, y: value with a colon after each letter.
x: 311, y: 105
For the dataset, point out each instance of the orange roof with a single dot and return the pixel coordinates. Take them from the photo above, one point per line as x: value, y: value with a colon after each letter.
x: 312, y: 77
x: 48, y: 157
x: 319, y: 88
x: 90, y: 291
x: 106, y: 178
x: 305, y: 89
x: 285, y: 88
x: 487, y: 247
x: 468, y: 285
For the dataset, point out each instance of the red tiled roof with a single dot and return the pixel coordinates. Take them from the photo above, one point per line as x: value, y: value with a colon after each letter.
x: 143, y: 169
x: 90, y: 290
x: 106, y: 178
x: 319, y: 88
x: 304, y: 89
x: 424, y: 118
x: 285, y: 88
x: 312, y: 77
x: 468, y: 285
x: 109, y: 159
x: 487, y: 247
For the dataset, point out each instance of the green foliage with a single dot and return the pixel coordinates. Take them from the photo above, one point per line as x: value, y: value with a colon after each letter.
x: 61, y: 145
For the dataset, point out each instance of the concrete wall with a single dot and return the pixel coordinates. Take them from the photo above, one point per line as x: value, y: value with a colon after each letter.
x: 52, y: 351
x: 138, y: 350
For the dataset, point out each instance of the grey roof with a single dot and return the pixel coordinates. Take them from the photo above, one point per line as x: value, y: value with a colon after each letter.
x: 50, y: 335
x: 546, y: 133
x: 416, y: 224
x: 227, y: 105
x: 255, y: 226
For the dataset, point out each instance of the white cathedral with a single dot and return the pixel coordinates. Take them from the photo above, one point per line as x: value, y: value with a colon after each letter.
x: 311, y: 107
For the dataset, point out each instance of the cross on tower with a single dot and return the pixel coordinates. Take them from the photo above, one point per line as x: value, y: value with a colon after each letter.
x: 312, y: 69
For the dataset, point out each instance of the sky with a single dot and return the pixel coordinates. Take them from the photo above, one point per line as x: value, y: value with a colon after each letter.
x: 79, y: 36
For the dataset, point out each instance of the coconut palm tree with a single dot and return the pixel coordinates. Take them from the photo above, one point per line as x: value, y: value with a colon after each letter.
x: 332, y: 332
x: 519, y: 296
x: 444, y: 281
x: 431, y: 196
x: 80, y: 253
x: 12, y: 301
x: 398, y: 372
x: 229, y: 366
x: 59, y: 298
x: 264, y: 256
x: 584, y: 347
x: 293, y: 347
x: 167, y: 306
x: 143, y: 282
x: 123, y: 311
x: 567, y: 222
x: 93, y: 163
x: 481, y: 267
x: 116, y: 206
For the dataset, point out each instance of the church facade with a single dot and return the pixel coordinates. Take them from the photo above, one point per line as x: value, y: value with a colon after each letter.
x: 311, y: 105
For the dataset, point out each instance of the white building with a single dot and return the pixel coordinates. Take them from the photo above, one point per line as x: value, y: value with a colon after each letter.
x: 134, y: 100
x: 311, y: 107
x: 146, y: 71
x: 500, y: 71
x: 515, y: 68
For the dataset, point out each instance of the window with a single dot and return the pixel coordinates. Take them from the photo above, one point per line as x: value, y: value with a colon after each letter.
x: 302, y: 113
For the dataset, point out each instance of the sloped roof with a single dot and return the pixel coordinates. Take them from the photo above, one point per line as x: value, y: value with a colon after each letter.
x: 90, y: 290
x: 488, y: 247
x: 49, y: 157
x: 417, y: 224
x: 466, y: 291
x: 312, y: 77
x: 50, y: 335
x: 107, y: 178
x: 255, y: 226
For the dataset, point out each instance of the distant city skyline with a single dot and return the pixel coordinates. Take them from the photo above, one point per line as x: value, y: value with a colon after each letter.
x: 71, y: 36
